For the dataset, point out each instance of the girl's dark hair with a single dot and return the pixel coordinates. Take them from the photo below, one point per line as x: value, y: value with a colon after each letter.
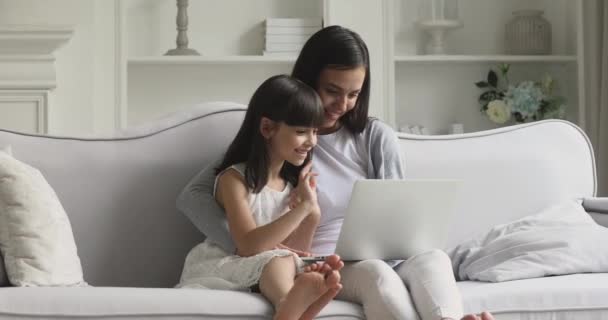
x: 282, y: 99
x: 337, y: 47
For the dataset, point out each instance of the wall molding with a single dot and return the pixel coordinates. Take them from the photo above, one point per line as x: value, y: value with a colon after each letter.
x: 27, y: 67
x: 26, y: 55
x: 39, y: 98
x: 120, y: 56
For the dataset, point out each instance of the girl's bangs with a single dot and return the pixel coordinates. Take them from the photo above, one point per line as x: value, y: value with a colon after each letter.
x: 305, y: 110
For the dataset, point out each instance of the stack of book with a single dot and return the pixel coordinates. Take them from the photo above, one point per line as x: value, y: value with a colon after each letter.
x: 288, y: 35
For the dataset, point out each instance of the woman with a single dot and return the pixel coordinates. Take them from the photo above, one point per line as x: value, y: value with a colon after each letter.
x: 351, y: 146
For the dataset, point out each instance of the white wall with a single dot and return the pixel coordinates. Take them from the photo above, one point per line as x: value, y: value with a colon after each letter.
x: 83, y: 101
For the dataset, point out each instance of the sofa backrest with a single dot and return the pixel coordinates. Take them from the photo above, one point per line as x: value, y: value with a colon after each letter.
x: 508, y: 173
x: 120, y: 191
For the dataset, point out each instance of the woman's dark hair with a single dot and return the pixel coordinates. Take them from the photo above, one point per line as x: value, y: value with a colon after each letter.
x: 340, y: 48
x: 282, y: 99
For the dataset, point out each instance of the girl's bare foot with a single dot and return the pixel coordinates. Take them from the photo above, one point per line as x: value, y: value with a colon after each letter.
x: 483, y: 316
x: 314, y: 309
x: 332, y: 277
x: 332, y: 281
x: 334, y: 262
x: 308, y: 287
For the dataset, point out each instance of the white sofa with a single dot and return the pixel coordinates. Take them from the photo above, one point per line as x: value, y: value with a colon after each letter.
x: 120, y: 191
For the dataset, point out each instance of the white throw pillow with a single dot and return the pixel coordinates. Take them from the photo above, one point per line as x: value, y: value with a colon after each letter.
x: 562, y: 239
x: 36, y: 237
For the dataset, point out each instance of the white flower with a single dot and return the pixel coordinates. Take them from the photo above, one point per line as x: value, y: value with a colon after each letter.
x: 498, y: 111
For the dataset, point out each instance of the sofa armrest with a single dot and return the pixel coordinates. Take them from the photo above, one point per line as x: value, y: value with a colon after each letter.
x: 600, y: 218
x: 598, y: 205
x: 598, y: 209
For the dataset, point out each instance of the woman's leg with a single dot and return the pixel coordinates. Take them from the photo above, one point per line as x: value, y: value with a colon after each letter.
x: 376, y: 286
x: 430, y: 280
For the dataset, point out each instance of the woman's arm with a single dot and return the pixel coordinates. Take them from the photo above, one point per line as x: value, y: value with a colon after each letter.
x: 198, y: 204
x: 385, y: 154
x: 249, y: 238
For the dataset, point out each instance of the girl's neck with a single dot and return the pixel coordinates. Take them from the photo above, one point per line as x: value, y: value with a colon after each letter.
x: 275, y: 181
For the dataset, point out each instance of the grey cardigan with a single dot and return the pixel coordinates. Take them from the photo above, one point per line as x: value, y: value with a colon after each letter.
x: 198, y: 203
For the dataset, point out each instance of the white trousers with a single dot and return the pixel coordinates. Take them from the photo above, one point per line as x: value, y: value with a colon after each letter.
x: 384, y: 292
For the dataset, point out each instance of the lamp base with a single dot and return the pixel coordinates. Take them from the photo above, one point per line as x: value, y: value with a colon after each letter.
x: 182, y: 52
x: 437, y: 29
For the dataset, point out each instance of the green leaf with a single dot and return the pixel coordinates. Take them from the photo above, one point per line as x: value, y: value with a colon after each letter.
x: 493, y: 78
x: 482, y: 84
x: 545, y: 106
x: 504, y: 68
x: 488, y: 96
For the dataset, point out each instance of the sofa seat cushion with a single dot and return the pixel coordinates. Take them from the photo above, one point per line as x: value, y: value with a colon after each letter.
x: 578, y: 296
x: 145, y: 303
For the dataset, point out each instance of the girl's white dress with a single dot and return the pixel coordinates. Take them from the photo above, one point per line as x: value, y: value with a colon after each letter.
x: 209, y: 266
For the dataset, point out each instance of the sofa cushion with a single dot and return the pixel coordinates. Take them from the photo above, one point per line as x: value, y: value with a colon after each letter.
x: 36, y: 238
x: 578, y: 296
x: 145, y: 303
x: 560, y: 240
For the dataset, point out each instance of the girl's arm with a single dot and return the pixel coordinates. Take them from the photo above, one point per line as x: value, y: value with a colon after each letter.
x: 301, y: 238
x: 249, y: 238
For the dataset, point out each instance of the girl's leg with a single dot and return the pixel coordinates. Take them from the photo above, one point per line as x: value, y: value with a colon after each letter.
x: 430, y: 279
x: 277, y: 279
x: 376, y: 286
x: 291, y: 298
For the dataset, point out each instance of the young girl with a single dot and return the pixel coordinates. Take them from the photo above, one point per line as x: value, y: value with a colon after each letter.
x: 269, y: 157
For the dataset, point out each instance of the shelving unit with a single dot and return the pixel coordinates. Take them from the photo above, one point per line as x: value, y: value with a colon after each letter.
x: 437, y: 90
x: 485, y: 58
x: 196, y: 60
x: 231, y: 64
x: 408, y: 87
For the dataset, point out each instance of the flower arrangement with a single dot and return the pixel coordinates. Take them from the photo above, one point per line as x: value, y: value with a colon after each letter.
x: 525, y: 101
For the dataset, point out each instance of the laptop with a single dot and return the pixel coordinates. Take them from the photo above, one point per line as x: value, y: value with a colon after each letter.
x: 396, y: 219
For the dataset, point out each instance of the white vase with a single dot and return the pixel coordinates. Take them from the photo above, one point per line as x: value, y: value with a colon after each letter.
x: 528, y: 32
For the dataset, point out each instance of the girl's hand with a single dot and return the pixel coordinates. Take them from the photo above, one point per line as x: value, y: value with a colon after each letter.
x: 306, y: 191
x: 300, y: 253
x: 294, y: 199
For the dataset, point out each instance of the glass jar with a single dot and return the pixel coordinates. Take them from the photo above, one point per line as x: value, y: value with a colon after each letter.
x: 528, y: 32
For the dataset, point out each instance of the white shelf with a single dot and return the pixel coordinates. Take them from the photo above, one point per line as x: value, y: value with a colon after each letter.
x: 485, y: 58
x: 211, y: 60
